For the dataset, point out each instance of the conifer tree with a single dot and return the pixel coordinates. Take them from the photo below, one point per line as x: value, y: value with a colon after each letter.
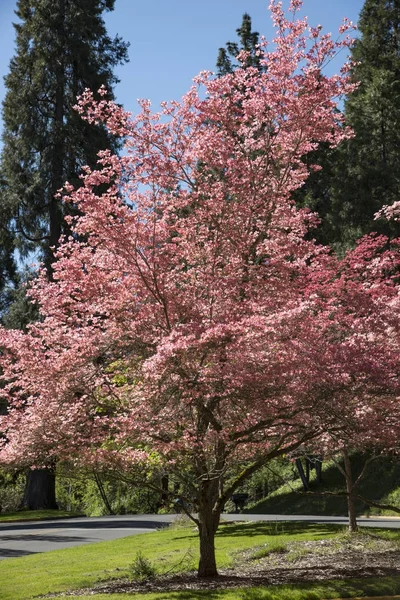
x: 364, y: 173
x: 372, y: 158
x: 62, y: 48
x: 248, y: 41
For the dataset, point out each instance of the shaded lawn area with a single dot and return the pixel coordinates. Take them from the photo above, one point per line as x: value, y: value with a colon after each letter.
x: 37, y: 515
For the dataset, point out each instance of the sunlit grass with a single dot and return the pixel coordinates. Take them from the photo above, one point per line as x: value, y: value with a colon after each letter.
x: 36, y: 515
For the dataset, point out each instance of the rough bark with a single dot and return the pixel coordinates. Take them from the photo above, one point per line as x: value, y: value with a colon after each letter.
x: 208, y: 521
x: 40, y: 490
x: 208, y: 525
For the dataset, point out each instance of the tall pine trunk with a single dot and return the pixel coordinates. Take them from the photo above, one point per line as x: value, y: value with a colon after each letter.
x: 40, y: 490
x: 41, y: 486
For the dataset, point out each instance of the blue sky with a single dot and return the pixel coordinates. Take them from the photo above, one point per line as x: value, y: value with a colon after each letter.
x: 170, y: 42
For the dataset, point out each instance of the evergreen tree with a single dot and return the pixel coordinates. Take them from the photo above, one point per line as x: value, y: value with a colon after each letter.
x: 364, y: 173
x: 248, y: 40
x: 62, y: 47
x: 373, y: 157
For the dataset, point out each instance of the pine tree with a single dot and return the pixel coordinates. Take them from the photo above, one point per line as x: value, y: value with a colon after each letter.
x: 62, y: 47
x: 364, y: 173
x: 373, y: 156
x: 248, y: 42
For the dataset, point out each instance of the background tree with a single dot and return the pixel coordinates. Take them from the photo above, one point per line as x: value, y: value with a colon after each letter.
x: 363, y: 174
x: 248, y: 42
x: 62, y: 47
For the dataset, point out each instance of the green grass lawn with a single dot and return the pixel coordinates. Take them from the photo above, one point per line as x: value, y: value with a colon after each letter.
x: 174, y: 549
x: 36, y: 515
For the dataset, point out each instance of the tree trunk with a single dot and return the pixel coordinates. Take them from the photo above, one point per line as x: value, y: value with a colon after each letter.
x: 103, y: 494
x: 40, y: 490
x: 302, y: 474
x: 318, y: 469
x: 208, y: 525
x: 353, y: 527
x: 165, y: 488
x: 35, y: 496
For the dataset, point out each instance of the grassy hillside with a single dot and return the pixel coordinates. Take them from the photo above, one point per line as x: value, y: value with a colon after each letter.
x: 381, y: 484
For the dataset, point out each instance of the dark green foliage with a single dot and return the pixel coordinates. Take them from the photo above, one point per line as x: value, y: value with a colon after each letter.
x: 291, y: 500
x: 62, y: 48
x: 363, y: 174
x: 20, y: 310
x: 373, y: 157
x: 248, y: 40
x: 7, y: 268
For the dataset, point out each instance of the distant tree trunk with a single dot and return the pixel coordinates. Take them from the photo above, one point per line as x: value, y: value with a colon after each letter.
x: 103, y: 494
x: 308, y: 468
x: 318, y: 469
x: 165, y: 488
x: 353, y: 527
x: 304, y: 478
x: 40, y: 490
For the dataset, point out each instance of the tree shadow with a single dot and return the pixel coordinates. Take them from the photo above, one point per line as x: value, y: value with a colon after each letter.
x: 346, y: 588
x: 29, y: 537
x: 278, y: 528
x: 248, y: 588
x: 12, y: 553
x: 85, y: 524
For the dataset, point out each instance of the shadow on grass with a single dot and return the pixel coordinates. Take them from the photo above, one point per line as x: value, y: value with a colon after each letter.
x: 12, y: 553
x: 349, y: 588
x: 278, y: 528
x: 306, y: 591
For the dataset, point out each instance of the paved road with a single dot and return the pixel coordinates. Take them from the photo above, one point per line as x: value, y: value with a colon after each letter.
x: 23, y: 538
x: 20, y: 539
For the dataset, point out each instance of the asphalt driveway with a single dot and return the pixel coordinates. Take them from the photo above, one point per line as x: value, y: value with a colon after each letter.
x: 23, y: 538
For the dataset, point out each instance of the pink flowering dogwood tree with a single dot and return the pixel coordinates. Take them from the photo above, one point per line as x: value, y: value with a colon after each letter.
x: 184, y: 320
x: 356, y: 311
